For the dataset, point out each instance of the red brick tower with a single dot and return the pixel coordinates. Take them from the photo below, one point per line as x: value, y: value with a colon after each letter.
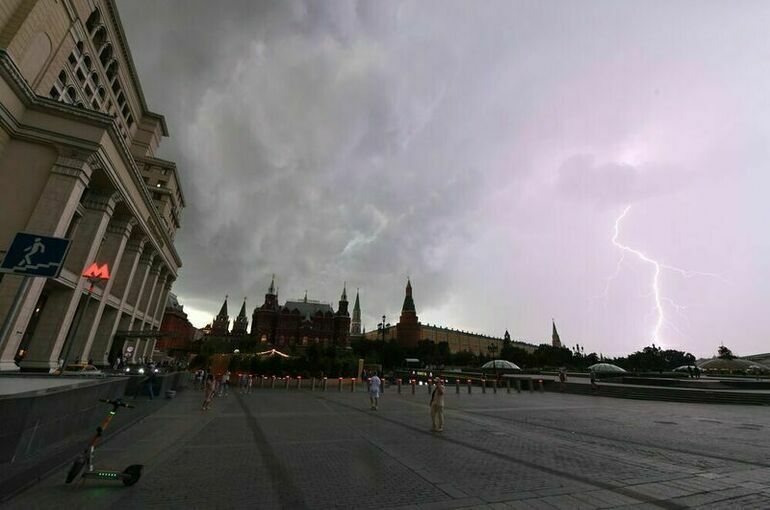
x: 408, y: 327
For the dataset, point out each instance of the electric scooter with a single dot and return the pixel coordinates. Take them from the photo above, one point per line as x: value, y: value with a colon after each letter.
x: 128, y: 476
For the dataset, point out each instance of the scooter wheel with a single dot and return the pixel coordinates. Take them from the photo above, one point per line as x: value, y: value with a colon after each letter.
x: 133, y: 472
x: 76, y: 468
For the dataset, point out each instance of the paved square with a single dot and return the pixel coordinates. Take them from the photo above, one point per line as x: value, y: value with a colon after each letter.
x: 302, y: 449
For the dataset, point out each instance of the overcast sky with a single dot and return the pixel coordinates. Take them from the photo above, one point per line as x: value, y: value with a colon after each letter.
x: 483, y: 148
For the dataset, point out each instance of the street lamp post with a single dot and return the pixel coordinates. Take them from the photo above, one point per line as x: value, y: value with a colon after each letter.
x: 381, y: 327
x: 492, y: 348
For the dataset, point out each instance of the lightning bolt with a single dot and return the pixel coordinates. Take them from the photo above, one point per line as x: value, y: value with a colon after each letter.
x: 658, y: 267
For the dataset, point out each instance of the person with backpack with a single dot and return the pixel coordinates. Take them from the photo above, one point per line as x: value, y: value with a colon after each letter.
x: 437, y: 406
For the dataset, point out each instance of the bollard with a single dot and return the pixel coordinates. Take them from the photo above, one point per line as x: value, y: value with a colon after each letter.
x: 288, y: 380
x: 483, y: 386
x: 469, y: 386
x: 299, y: 382
x: 518, y: 385
x: 413, y: 385
x: 531, y: 385
x: 312, y: 384
x: 272, y: 383
x: 324, y: 383
x: 457, y: 385
x: 352, y: 384
x: 430, y: 386
x: 398, y: 381
x: 339, y: 384
x: 494, y: 386
x: 508, y: 385
x: 542, y: 386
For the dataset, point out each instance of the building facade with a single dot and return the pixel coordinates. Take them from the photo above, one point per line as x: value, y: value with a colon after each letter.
x: 409, y: 331
x: 178, y: 333
x: 77, y: 160
x: 301, y: 322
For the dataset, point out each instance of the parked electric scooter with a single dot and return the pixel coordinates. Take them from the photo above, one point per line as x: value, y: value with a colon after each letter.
x: 128, y: 476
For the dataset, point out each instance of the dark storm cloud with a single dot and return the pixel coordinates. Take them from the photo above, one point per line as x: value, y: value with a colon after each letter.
x: 484, y: 149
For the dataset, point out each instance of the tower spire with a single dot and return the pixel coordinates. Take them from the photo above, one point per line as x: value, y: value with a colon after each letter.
x: 555, y: 340
x: 355, y: 323
x: 271, y: 290
x: 223, y: 310
x: 408, y: 301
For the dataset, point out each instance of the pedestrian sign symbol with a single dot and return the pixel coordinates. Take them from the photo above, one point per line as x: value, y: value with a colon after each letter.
x: 35, y: 255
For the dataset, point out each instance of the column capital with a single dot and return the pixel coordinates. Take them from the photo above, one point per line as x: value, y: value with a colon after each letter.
x: 147, y: 257
x: 73, y: 165
x: 169, y: 283
x: 136, y: 244
x: 156, y: 269
x: 101, y: 201
x: 121, y: 225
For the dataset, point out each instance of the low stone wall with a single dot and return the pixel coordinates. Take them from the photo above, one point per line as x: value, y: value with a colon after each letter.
x: 42, y: 429
x: 37, y: 424
x: 177, y: 381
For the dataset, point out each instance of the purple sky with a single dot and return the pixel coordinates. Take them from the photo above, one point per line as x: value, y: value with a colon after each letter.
x: 483, y: 148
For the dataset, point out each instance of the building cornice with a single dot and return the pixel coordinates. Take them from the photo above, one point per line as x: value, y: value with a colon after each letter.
x: 32, y: 101
x: 113, y: 8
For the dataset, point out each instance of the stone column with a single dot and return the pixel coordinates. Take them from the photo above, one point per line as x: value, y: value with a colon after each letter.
x: 121, y: 286
x: 150, y: 291
x: 57, y: 317
x: 52, y: 216
x: 161, y: 306
x: 138, y: 288
x: 152, y: 306
x: 110, y: 253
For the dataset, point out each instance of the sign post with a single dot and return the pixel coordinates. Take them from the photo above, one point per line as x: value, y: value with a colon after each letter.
x: 93, y: 273
x: 31, y: 255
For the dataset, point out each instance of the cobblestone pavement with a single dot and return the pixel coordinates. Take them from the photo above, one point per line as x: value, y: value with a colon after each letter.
x: 302, y: 449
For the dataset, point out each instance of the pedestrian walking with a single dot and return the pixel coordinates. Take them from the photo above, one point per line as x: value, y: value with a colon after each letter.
x: 224, y: 384
x: 374, y: 391
x: 150, y: 381
x: 562, y: 379
x: 249, y: 383
x: 594, y: 386
x: 208, y: 392
x: 437, y: 406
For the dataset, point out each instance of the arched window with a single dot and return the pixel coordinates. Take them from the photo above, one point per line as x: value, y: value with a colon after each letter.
x: 102, y: 93
x: 112, y: 70
x: 99, y: 37
x: 70, y: 96
x: 95, y: 78
x: 87, y: 62
x: 129, y: 120
x: 93, y: 20
x: 105, y: 54
x: 62, y: 78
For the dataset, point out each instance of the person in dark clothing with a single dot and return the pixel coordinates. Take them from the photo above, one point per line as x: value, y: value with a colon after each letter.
x: 151, y: 383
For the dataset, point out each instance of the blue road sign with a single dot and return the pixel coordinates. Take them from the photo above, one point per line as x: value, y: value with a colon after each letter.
x: 34, y: 255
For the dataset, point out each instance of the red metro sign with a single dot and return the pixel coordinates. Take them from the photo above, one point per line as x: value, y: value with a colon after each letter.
x: 97, y: 272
